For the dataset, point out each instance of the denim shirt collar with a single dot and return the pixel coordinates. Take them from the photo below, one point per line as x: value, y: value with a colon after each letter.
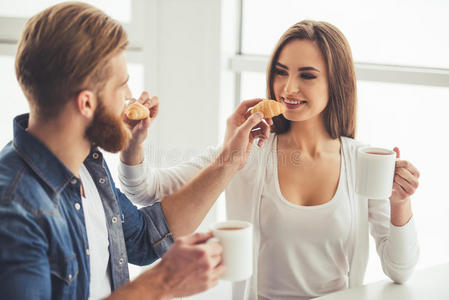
x: 39, y: 158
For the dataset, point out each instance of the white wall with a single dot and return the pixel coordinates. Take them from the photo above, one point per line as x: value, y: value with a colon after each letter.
x: 187, y: 74
x: 187, y: 46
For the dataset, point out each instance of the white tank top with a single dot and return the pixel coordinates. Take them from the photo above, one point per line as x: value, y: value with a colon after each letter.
x: 303, y: 251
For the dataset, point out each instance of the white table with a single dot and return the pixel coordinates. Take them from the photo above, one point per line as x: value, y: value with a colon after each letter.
x: 427, y: 284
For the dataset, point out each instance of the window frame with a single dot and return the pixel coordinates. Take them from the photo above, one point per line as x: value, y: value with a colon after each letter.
x: 12, y: 28
x: 371, y: 72
x: 390, y: 73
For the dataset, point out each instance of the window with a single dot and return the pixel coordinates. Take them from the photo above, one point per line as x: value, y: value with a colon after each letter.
x: 129, y: 12
x: 13, y: 100
x: 410, y: 117
x: 120, y: 10
x: 403, y: 89
x: 387, y: 32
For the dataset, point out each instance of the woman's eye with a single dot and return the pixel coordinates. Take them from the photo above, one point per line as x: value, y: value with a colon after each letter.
x: 307, y: 76
x: 280, y: 72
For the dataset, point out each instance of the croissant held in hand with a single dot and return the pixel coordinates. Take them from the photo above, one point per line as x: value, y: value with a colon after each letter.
x: 269, y: 108
x: 137, y: 111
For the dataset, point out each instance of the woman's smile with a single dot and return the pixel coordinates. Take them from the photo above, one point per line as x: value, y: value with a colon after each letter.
x: 293, y: 103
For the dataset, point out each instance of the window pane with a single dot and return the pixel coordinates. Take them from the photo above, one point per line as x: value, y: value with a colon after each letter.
x: 13, y: 101
x: 414, y: 118
x: 252, y: 85
x: 118, y: 9
x: 136, y: 79
x: 388, y: 32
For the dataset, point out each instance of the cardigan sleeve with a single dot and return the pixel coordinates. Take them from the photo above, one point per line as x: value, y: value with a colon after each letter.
x: 397, y: 246
x: 145, y: 185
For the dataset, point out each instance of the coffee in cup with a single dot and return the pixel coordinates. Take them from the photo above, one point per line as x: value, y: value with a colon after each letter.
x: 229, y: 228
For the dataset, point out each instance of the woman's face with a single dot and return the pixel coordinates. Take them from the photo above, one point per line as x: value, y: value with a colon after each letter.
x: 300, y: 80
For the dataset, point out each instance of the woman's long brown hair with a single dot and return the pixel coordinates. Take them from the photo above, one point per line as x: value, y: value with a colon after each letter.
x: 340, y: 113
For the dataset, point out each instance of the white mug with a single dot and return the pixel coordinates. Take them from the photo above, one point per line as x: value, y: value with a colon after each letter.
x: 236, y: 238
x: 375, y: 172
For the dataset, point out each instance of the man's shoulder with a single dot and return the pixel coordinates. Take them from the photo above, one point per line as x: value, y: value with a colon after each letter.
x: 20, y: 188
x: 11, y: 168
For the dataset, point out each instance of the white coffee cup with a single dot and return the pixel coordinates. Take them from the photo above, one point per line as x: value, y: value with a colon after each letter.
x: 375, y: 172
x: 236, y: 238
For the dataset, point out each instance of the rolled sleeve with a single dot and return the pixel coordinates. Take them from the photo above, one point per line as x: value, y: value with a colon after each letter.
x: 146, y: 232
x: 158, y: 231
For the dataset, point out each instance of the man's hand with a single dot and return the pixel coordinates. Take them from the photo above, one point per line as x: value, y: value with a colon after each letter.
x: 192, y: 265
x: 133, y: 154
x: 242, y: 128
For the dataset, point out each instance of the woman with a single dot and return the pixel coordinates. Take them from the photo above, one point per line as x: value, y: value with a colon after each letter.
x: 311, y: 228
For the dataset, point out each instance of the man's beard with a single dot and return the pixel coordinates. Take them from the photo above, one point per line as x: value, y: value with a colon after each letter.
x: 108, y: 131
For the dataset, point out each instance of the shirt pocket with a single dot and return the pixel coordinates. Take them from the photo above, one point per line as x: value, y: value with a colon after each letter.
x: 64, y: 270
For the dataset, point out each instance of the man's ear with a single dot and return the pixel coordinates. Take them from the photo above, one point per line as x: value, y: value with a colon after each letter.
x: 86, y: 102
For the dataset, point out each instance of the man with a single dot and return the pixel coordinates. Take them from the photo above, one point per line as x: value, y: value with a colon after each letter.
x: 66, y: 232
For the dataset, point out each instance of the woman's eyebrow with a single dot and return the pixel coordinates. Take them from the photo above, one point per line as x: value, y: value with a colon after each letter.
x: 299, y: 69
x: 308, y: 69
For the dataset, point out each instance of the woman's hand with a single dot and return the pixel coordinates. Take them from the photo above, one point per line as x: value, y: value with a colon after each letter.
x: 405, y: 180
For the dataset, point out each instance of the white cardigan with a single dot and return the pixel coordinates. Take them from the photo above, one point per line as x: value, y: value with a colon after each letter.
x: 397, y: 246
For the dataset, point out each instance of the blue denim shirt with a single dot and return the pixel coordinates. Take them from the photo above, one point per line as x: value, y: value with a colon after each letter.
x: 43, y: 242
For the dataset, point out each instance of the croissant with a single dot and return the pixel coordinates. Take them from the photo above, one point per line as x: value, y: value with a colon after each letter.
x: 137, y: 111
x: 269, y: 108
